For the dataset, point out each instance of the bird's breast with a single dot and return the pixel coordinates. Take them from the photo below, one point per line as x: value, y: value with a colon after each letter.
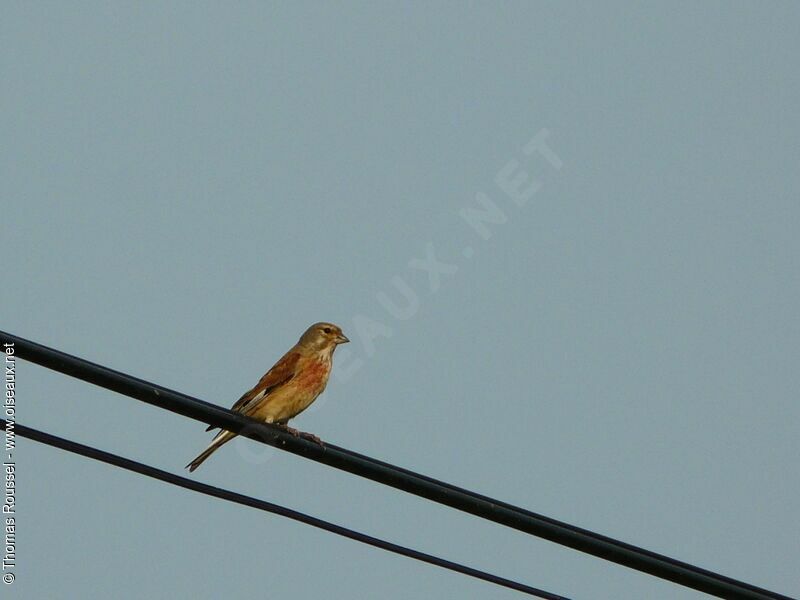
x: 314, y: 375
x: 293, y: 398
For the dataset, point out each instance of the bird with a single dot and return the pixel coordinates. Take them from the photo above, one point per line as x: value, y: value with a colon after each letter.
x: 288, y: 388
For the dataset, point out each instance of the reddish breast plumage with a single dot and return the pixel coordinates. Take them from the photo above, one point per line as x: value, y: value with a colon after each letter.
x: 315, y: 375
x: 289, y: 400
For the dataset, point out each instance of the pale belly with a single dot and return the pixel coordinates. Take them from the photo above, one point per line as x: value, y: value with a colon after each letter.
x: 290, y: 400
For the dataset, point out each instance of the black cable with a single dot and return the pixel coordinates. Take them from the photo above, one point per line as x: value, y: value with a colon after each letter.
x: 196, y: 486
x: 500, y: 512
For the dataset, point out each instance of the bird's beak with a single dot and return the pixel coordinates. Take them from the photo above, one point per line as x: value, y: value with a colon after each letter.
x: 342, y: 339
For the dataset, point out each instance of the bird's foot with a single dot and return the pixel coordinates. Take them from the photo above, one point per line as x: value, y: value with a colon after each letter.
x: 313, y: 438
x: 287, y: 429
x: 307, y: 436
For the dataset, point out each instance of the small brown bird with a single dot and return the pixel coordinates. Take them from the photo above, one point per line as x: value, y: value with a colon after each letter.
x: 289, y: 387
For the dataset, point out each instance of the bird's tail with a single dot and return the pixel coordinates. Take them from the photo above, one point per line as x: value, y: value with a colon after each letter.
x: 222, y: 437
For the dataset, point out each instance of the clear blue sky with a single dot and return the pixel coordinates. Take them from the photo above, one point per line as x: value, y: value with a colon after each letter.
x: 187, y: 186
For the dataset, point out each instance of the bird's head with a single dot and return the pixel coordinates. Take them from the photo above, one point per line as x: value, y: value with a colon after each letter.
x: 323, y: 336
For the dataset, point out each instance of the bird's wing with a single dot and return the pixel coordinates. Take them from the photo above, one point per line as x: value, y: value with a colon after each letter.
x: 278, y: 375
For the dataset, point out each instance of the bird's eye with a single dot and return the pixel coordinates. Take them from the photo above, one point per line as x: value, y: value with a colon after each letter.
x: 327, y: 329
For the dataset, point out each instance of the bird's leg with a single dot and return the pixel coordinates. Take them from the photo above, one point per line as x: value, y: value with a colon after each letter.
x: 312, y: 437
x: 287, y: 429
x: 308, y: 436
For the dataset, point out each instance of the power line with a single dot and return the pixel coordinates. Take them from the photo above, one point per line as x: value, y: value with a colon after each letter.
x: 196, y: 486
x: 499, y: 512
